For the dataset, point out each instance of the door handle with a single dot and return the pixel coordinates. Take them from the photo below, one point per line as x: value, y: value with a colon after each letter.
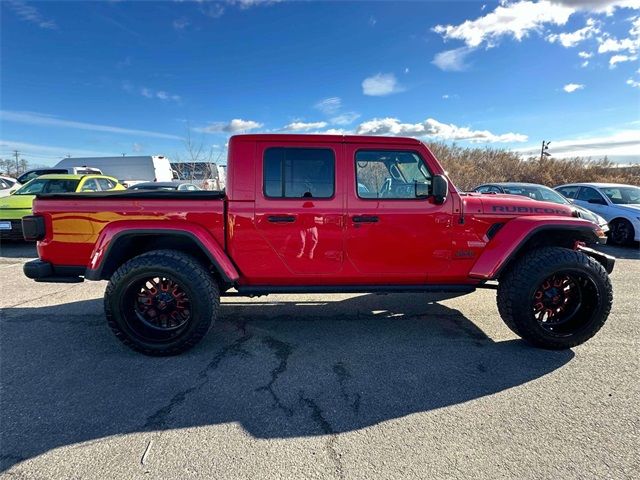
x: 281, y: 218
x: 364, y: 219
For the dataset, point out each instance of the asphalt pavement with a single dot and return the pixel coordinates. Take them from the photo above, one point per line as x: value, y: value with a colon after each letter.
x: 314, y: 386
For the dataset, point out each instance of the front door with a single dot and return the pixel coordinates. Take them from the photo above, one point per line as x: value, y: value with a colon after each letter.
x: 299, y: 208
x: 393, y: 235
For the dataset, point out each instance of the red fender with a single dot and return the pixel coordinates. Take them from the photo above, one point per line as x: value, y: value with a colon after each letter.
x: 516, y: 232
x: 199, y: 234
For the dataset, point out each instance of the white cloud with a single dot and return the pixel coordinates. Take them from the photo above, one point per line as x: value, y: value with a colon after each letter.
x: 304, y: 126
x: 234, y: 126
x: 630, y: 45
x: 345, y: 118
x: 137, y: 147
x: 452, y: 60
x: 601, y: 6
x: 332, y: 107
x: 329, y: 106
x: 623, y: 146
x: 380, y: 85
x: 181, y: 23
x: 633, y: 83
x: 434, y: 129
x: 568, y: 40
x: 585, y: 64
x: 149, y: 93
x: 31, y: 14
x: 585, y: 54
x: 31, y: 118
x: 509, y: 19
x: 572, y: 87
x: 621, y: 58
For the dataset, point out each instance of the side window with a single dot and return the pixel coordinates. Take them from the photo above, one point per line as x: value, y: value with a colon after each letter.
x: 105, y: 184
x: 483, y: 189
x: 494, y: 189
x: 588, y: 194
x: 389, y: 174
x: 90, y: 186
x: 569, y: 192
x: 299, y: 173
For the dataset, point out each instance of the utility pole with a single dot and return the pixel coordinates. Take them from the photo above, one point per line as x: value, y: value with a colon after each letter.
x: 543, y: 150
x: 16, y: 153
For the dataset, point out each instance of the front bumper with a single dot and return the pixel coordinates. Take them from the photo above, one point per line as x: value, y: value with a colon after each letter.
x: 42, y: 271
x: 607, y: 261
x: 13, y: 233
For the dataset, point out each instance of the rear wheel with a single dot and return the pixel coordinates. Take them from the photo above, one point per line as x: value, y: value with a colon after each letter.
x: 161, y: 303
x: 555, y: 297
x: 622, y: 232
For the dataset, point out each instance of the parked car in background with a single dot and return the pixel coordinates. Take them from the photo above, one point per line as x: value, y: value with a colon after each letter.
x: 618, y: 204
x: 128, y: 170
x: 38, y: 172
x: 19, y: 204
x: 543, y: 193
x: 7, y: 185
x: 169, y: 186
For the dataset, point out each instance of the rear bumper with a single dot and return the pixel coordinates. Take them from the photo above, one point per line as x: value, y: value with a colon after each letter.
x: 41, y: 271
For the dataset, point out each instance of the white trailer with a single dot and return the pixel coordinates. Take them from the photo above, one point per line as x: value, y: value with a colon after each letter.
x: 128, y: 170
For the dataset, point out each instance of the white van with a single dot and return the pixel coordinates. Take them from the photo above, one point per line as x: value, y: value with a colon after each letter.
x: 128, y: 170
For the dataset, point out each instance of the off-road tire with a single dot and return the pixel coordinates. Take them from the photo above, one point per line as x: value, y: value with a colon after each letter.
x: 522, y: 280
x: 201, y: 288
x: 621, y: 232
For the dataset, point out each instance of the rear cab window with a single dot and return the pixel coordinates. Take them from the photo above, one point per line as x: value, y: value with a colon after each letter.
x: 291, y: 172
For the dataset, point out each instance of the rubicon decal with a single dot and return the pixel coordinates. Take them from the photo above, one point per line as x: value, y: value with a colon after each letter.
x: 514, y: 209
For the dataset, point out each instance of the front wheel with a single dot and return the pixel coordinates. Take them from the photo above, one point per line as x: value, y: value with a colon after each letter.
x: 555, y: 297
x: 621, y: 232
x: 161, y: 302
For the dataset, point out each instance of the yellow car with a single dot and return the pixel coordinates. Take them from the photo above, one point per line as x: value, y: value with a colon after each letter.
x: 18, y: 204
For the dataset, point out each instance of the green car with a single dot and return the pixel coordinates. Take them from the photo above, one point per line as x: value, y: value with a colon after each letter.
x: 18, y: 204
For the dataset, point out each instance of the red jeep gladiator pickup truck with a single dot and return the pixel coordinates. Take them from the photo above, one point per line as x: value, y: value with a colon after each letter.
x: 321, y: 214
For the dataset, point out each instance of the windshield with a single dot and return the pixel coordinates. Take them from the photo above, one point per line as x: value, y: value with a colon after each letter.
x: 623, y: 195
x: 44, y: 185
x: 541, y: 193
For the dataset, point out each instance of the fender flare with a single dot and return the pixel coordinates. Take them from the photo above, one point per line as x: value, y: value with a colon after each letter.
x: 116, y: 231
x: 514, y: 235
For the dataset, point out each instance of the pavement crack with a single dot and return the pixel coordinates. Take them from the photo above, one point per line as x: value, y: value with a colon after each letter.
x: 282, y: 351
x: 318, y: 417
x: 159, y: 419
x: 343, y: 374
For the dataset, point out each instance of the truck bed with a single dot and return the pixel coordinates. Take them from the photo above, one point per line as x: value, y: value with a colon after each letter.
x: 78, y: 225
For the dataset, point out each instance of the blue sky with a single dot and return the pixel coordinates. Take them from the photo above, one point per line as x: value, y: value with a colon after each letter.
x: 105, y: 78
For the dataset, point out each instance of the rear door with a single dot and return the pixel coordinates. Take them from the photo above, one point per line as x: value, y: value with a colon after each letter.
x: 299, y: 207
x: 392, y: 236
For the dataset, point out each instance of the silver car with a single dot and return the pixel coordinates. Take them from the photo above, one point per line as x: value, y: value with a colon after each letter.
x: 619, y: 204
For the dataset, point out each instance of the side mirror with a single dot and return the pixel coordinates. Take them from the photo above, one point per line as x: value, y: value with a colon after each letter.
x: 439, y: 188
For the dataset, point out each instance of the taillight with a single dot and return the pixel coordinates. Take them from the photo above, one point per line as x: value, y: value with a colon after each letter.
x: 33, y: 227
